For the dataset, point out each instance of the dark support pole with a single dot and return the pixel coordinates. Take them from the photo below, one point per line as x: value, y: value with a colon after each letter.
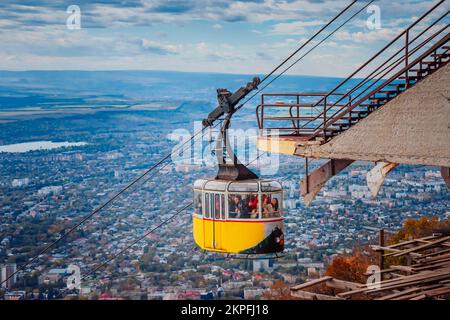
x: 307, y: 174
x: 381, y: 252
x: 324, y: 119
x: 445, y: 172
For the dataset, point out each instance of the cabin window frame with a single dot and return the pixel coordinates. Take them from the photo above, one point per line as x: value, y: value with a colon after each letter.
x: 224, y: 203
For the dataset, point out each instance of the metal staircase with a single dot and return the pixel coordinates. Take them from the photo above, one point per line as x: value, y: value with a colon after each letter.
x: 412, y: 56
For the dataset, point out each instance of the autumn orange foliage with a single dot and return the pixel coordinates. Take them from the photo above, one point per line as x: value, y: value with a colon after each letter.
x: 352, y: 267
x: 413, y: 229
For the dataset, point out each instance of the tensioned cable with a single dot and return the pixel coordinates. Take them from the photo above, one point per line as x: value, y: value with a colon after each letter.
x: 304, y: 55
x: 112, y: 199
x: 145, y: 235
x: 139, y: 178
x: 308, y: 41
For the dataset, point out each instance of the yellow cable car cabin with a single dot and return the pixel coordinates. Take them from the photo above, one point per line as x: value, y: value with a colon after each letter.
x: 236, y: 212
x: 241, y: 217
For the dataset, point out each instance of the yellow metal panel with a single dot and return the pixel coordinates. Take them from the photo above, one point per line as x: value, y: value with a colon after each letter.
x: 231, y: 236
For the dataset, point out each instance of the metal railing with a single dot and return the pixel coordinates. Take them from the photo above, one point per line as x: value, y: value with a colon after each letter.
x: 294, y: 113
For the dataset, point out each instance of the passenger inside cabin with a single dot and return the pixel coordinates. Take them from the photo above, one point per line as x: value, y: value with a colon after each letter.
x: 267, y: 207
x: 253, y: 206
x: 275, y: 205
x: 238, y: 207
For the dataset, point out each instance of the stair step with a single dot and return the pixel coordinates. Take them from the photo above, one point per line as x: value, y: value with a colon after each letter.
x: 397, y: 85
x: 429, y: 62
x: 411, y: 77
x: 359, y: 112
x: 440, y: 55
x: 419, y: 70
x: 378, y: 98
x: 388, y: 92
x: 348, y: 118
x: 333, y: 129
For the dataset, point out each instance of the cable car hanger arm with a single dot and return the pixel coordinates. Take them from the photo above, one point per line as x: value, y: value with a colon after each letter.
x: 228, y: 101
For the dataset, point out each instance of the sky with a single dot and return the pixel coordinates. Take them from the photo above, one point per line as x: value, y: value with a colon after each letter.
x: 243, y: 37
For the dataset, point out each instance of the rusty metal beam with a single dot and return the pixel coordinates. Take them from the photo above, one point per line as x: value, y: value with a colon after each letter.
x: 445, y: 172
x: 375, y: 177
x: 312, y: 183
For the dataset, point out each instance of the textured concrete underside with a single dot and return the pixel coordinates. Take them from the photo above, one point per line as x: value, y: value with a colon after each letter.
x: 414, y: 128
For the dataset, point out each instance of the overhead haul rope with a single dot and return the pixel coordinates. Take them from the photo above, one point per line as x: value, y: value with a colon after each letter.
x: 105, y: 204
x: 139, y: 178
x: 145, y: 235
x: 304, y: 55
x: 308, y: 41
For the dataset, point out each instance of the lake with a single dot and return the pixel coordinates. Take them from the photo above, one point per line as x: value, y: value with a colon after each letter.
x: 38, y: 145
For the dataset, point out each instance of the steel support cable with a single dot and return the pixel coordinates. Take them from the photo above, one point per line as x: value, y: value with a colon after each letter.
x: 200, y: 131
x: 145, y: 235
x: 308, y: 41
x: 105, y: 204
x: 304, y: 55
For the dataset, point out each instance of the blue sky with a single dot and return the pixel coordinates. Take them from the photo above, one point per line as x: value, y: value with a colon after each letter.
x: 248, y: 36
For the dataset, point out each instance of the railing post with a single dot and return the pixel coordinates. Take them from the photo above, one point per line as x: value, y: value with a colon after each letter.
x: 262, y: 111
x: 324, y: 118
x: 406, y: 58
x: 298, y: 114
x: 381, y: 252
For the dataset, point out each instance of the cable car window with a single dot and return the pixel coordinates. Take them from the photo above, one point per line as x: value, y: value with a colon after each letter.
x: 216, y: 206
x: 270, y: 186
x: 222, y: 206
x: 243, y: 187
x: 198, y: 184
x: 243, y: 206
x: 207, y: 206
x: 216, y: 185
x: 271, y: 205
x: 198, y: 203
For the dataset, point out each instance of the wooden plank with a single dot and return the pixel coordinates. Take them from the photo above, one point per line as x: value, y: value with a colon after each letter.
x: 313, y: 296
x: 344, y: 285
x: 426, y: 294
x: 411, y: 283
x: 403, y: 293
x: 425, y: 241
x: 423, y: 277
x: 431, y: 260
x: 419, y: 297
x: 423, y: 247
x: 311, y: 283
x: 432, y: 254
x: 403, y: 268
x: 400, y: 244
x: 432, y: 266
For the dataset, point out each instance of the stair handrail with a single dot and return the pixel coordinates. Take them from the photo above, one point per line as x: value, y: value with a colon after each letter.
x: 392, y: 78
x: 376, y: 72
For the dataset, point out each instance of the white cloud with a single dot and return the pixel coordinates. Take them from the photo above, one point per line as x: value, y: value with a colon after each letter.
x: 368, y: 36
x: 295, y: 28
x: 160, y: 48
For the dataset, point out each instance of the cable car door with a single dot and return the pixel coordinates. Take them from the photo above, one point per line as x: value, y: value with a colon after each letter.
x: 213, y: 224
